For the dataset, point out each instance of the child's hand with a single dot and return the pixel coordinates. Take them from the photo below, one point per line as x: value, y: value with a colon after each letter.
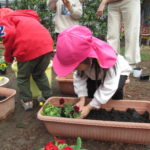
x: 67, y: 4
x: 85, y: 111
x: 100, y: 10
x: 81, y: 103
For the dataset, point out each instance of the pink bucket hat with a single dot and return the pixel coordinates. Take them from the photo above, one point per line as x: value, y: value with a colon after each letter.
x: 77, y: 43
x: 5, y: 11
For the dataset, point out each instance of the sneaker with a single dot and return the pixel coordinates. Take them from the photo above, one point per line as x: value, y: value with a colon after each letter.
x: 27, y: 105
x: 31, y: 104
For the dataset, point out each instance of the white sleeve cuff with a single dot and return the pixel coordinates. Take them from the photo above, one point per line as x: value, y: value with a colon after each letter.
x: 95, y: 103
x: 82, y: 93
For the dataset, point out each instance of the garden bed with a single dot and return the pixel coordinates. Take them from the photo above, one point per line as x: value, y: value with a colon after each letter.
x: 138, y: 133
x: 130, y: 115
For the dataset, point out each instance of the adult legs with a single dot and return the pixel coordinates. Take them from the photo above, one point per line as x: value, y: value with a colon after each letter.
x: 114, y: 24
x: 131, y: 20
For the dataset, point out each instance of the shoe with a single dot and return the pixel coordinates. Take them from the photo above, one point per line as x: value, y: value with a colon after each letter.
x: 27, y: 105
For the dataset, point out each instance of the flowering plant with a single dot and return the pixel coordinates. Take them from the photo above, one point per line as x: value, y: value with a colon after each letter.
x: 50, y: 110
x: 58, y: 144
x: 69, y: 110
x: 66, y: 110
x: 3, y: 64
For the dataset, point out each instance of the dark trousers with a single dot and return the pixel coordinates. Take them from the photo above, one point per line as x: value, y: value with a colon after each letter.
x: 92, y: 86
x: 36, y: 68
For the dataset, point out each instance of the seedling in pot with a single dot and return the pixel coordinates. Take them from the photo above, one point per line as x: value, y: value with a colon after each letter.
x: 64, y: 110
x: 50, y: 110
x: 69, y: 110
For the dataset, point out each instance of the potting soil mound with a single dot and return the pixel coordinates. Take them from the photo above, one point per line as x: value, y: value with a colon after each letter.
x: 130, y: 115
x: 2, y: 98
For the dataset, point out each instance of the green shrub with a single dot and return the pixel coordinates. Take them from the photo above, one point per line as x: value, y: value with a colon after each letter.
x: 98, y: 26
x: 89, y: 19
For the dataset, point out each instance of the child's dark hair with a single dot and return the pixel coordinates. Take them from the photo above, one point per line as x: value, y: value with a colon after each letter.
x: 98, y: 70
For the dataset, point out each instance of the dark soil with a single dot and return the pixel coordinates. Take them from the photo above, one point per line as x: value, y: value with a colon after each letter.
x: 131, y: 115
x: 23, y: 131
x: 2, y: 98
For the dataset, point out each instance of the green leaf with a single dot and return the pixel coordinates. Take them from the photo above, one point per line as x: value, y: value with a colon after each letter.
x: 79, y: 143
x: 61, y: 146
x: 75, y: 115
x: 20, y: 125
x: 50, y: 110
x: 73, y: 146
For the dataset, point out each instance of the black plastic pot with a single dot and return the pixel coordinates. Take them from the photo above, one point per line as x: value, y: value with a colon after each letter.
x: 144, y: 77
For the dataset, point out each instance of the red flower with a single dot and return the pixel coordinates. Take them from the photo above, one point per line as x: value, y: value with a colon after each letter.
x: 60, y: 141
x: 68, y: 148
x: 50, y: 146
x: 61, y: 101
x: 76, y: 108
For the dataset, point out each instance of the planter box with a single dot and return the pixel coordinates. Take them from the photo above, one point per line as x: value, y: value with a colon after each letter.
x: 66, y: 84
x: 127, y: 132
x: 7, y: 105
x: 4, y: 82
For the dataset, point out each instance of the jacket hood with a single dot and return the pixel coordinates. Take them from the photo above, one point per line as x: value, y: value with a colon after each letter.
x: 27, y: 13
x: 5, y: 12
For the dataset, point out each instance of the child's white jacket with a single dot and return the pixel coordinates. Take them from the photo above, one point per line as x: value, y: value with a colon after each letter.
x: 63, y: 18
x: 107, y: 90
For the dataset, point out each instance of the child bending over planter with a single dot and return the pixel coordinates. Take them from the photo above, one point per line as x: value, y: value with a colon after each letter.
x: 31, y: 44
x: 100, y: 73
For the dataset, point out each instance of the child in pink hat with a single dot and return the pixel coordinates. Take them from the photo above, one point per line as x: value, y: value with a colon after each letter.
x: 99, y: 73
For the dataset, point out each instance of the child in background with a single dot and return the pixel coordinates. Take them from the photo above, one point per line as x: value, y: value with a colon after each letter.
x: 100, y: 72
x: 68, y: 13
x: 30, y: 43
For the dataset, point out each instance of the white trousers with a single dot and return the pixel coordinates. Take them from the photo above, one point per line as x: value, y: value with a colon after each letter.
x: 126, y: 12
